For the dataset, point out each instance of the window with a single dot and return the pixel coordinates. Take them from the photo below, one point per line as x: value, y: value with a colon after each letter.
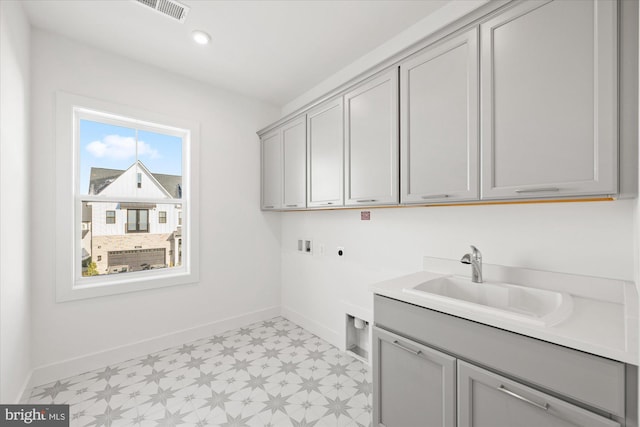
x: 106, y: 153
x: 137, y: 221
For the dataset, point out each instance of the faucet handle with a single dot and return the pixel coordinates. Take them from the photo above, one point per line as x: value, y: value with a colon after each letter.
x: 476, y: 252
x: 466, y: 259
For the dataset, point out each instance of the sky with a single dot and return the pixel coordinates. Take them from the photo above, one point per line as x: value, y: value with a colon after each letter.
x: 114, y: 147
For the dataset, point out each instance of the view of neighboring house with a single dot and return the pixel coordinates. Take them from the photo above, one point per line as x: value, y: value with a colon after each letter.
x: 132, y: 236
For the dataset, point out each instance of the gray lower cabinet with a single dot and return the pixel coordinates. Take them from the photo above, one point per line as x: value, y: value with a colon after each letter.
x: 489, y: 400
x: 414, y: 384
x: 432, y: 369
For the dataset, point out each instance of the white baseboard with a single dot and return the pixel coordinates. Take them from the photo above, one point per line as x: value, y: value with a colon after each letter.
x: 78, y: 365
x: 314, y: 327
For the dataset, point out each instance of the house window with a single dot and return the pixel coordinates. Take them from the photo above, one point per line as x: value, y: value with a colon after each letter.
x: 114, y: 149
x: 137, y: 221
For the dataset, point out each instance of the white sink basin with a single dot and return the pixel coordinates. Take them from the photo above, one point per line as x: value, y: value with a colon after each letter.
x: 529, y: 305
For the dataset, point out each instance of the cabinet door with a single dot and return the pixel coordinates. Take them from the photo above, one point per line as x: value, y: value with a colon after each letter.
x: 325, y: 145
x: 271, y: 170
x: 549, y: 126
x: 294, y: 152
x: 439, y: 130
x: 413, y: 385
x: 489, y: 400
x: 371, y: 142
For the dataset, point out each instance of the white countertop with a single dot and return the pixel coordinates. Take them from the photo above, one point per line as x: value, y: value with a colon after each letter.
x: 604, y: 320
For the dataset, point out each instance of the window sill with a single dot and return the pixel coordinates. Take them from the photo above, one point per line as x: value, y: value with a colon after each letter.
x: 114, y: 284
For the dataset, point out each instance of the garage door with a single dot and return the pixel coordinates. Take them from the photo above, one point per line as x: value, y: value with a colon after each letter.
x: 138, y: 259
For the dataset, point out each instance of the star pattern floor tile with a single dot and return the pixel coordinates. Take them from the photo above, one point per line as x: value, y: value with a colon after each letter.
x: 268, y: 374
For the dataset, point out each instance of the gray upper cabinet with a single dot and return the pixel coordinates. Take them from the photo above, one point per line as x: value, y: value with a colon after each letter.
x: 371, y: 142
x: 439, y: 130
x: 519, y: 104
x: 325, y: 152
x: 489, y: 400
x: 294, y: 159
x: 414, y: 385
x: 271, y: 170
x: 549, y: 97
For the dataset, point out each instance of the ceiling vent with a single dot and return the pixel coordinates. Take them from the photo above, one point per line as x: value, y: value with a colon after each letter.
x: 170, y: 8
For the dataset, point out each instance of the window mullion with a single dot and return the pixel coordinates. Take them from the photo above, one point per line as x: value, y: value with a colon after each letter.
x: 100, y: 199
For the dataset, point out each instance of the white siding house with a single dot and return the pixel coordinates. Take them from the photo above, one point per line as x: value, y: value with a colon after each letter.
x: 130, y: 236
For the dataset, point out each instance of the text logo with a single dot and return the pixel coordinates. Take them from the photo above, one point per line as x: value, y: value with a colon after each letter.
x: 36, y: 415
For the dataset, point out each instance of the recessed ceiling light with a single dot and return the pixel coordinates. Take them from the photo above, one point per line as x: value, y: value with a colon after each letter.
x: 201, y: 37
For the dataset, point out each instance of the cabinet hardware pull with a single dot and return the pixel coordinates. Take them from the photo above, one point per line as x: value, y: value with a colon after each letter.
x: 329, y: 203
x: 292, y: 206
x: 544, y: 407
x: 538, y: 190
x: 436, y: 196
x: 365, y: 200
x: 410, y: 350
x: 268, y: 207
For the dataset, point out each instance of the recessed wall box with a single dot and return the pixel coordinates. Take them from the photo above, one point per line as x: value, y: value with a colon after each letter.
x: 358, y: 337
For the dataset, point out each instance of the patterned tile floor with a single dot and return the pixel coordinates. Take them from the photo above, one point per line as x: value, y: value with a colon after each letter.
x: 271, y: 373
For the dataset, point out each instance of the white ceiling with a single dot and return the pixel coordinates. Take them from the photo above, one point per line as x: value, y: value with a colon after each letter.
x: 271, y: 50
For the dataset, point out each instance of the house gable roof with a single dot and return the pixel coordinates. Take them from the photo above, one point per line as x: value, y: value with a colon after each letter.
x: 101, y: 178
x: 171, y: 183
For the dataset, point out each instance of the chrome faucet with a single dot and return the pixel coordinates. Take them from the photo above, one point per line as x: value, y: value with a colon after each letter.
x: 475, y: 259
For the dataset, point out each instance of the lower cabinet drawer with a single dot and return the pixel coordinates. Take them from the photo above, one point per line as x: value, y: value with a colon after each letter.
x: 489, y: 400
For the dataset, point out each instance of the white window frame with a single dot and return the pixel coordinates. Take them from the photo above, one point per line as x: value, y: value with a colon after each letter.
x: 70, y: 285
